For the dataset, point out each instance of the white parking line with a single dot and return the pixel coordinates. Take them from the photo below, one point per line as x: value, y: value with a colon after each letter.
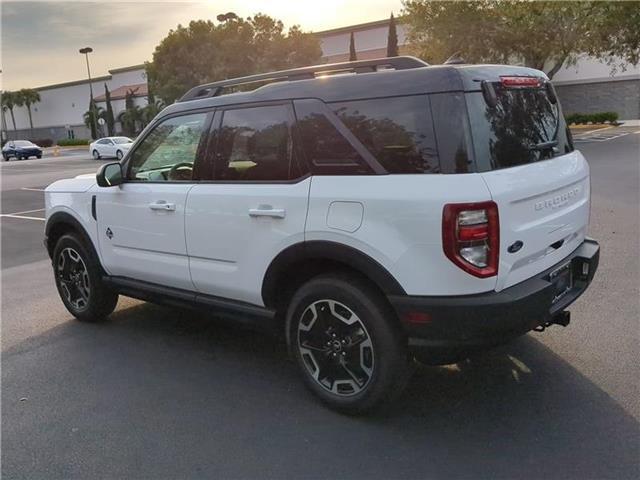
x: 599, y: 138
x: 591, y: 131
x: 25, y: 211
x: 33, y: 189
x: 23, y: 217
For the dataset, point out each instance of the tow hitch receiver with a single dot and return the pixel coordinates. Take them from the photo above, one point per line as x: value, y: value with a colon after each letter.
x: 561, y: 318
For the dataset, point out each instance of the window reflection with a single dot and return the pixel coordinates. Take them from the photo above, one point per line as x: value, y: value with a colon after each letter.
x: 397, y: 131
x: 255, y: 145
x: 522, y: 128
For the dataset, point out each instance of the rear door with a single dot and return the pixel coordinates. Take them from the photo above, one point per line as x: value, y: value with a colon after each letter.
x: 250, y: 205
x: 524, y: 152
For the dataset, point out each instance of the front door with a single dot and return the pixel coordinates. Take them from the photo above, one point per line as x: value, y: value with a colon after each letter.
x: 141, y: 222
x: 108, y: 148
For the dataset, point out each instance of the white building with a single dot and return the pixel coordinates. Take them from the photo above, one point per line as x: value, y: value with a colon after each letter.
x: 59, y: 113
x: 589, y: 86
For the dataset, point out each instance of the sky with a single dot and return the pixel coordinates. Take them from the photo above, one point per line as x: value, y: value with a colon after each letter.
x: 40, y: 39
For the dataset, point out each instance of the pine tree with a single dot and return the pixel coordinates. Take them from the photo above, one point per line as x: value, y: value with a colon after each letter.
x: 352, y: 49
x: 110, y: 118
x: 392, y: 38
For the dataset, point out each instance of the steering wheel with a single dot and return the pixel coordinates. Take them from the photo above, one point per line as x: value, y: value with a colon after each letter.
x: 181, y: 171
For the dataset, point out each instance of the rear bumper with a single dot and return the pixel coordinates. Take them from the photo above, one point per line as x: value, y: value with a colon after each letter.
x: 491, y: 318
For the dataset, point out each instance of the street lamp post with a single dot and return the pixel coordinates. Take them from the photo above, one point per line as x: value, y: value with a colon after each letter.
x: 86, y: 51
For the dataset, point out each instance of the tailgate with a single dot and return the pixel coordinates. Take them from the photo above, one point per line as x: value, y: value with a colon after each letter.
x: 543, y: 206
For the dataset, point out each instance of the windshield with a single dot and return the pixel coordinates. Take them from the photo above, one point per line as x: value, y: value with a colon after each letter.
x: 523, y: 127
x: 121, y: 140
x: 23, y: 143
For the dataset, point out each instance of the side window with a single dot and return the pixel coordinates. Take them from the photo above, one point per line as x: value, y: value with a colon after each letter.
x: 398, y: 131
x: 326, y: 149
x: 103, y: 142
x: 168, y: 152
x: 255, y: 144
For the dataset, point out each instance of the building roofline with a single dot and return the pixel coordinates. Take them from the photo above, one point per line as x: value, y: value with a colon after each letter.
x: 73, y: 83
x: 358, y: 27
x: 127, y: 69
x: 93, y: 80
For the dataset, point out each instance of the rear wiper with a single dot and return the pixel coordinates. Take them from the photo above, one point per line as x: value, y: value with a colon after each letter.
x: 544, y: 145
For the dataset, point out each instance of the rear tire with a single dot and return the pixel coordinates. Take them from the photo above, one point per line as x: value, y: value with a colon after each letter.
x: 78, y: 277
x: 119, y: 155
x: 347, y: 344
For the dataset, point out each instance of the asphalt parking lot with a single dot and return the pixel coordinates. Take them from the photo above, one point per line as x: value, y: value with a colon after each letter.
x: 164, y: 393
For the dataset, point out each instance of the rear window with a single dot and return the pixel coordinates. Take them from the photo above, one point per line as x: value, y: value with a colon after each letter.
x: 398, y: 131
x: 524, y: 127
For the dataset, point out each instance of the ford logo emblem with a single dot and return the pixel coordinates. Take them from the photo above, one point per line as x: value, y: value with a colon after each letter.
x: 516, y: 246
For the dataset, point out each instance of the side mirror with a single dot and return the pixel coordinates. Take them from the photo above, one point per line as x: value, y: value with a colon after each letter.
x: 109, y: 175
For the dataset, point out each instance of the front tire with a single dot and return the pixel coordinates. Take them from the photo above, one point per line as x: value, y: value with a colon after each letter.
x: 78, y: 277
x: 347, y: 344
x: 119, y: 155
x: 96, y: 155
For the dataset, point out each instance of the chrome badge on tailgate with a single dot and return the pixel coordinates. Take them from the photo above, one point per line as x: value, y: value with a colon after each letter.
x: 557, y: 200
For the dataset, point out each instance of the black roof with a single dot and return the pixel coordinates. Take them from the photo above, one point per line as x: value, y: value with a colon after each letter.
x: 415, y: 78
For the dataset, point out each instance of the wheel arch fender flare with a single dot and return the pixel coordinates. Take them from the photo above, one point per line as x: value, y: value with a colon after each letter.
x: 318, y: 250
x: 60, y: 223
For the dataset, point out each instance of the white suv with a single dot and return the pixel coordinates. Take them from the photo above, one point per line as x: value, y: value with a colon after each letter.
x: 373, y: 211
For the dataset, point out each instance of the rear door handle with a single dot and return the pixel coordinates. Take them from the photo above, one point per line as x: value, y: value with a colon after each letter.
x: 162, y: 205
x: 267, y: 211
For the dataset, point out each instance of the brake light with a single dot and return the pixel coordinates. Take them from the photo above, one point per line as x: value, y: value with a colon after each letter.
x: 521, y: 81
x: 471, y: 237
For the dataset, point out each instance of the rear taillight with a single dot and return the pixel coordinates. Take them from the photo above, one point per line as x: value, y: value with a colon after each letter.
x: 471, y: 237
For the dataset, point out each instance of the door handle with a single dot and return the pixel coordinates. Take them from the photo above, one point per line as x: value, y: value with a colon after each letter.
x: 267, y: 211
x: 164, y: 206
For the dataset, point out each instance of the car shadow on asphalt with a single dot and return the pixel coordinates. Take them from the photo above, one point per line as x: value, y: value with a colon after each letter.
x: 170, y: 393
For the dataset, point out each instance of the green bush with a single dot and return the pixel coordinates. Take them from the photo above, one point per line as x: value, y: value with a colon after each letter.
x: 599, y: 117
x: 43, y: 142
x: 69, y: 142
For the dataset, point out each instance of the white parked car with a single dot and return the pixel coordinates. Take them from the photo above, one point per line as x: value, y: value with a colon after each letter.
x: 373, y: 218
x: 110, y: 147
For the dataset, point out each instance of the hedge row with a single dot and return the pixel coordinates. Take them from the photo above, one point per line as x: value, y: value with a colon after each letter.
x: 600, y: 117
x: 43, y: 142
x: 68, y: 142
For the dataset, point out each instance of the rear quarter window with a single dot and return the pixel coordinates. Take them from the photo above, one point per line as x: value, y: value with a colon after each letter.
x: 397, y: 131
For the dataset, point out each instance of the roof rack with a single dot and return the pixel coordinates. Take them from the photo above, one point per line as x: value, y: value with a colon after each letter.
x: 359, y: 66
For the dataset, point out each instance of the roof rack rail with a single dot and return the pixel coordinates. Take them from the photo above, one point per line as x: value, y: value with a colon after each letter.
x: 304, y: 73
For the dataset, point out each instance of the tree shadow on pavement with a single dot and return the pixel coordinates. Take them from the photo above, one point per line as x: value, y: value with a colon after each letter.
x: 165, y: 393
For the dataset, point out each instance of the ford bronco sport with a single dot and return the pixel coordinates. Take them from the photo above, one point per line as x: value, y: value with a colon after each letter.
x: 375, y: 211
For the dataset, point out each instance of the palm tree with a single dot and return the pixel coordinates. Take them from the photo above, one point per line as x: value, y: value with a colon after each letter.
x: 88, y: 116
x: 4, y: 117
x: 8, y: 102
x: 130, y: 119
x: 27, y: 97
x: 150, y: 110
